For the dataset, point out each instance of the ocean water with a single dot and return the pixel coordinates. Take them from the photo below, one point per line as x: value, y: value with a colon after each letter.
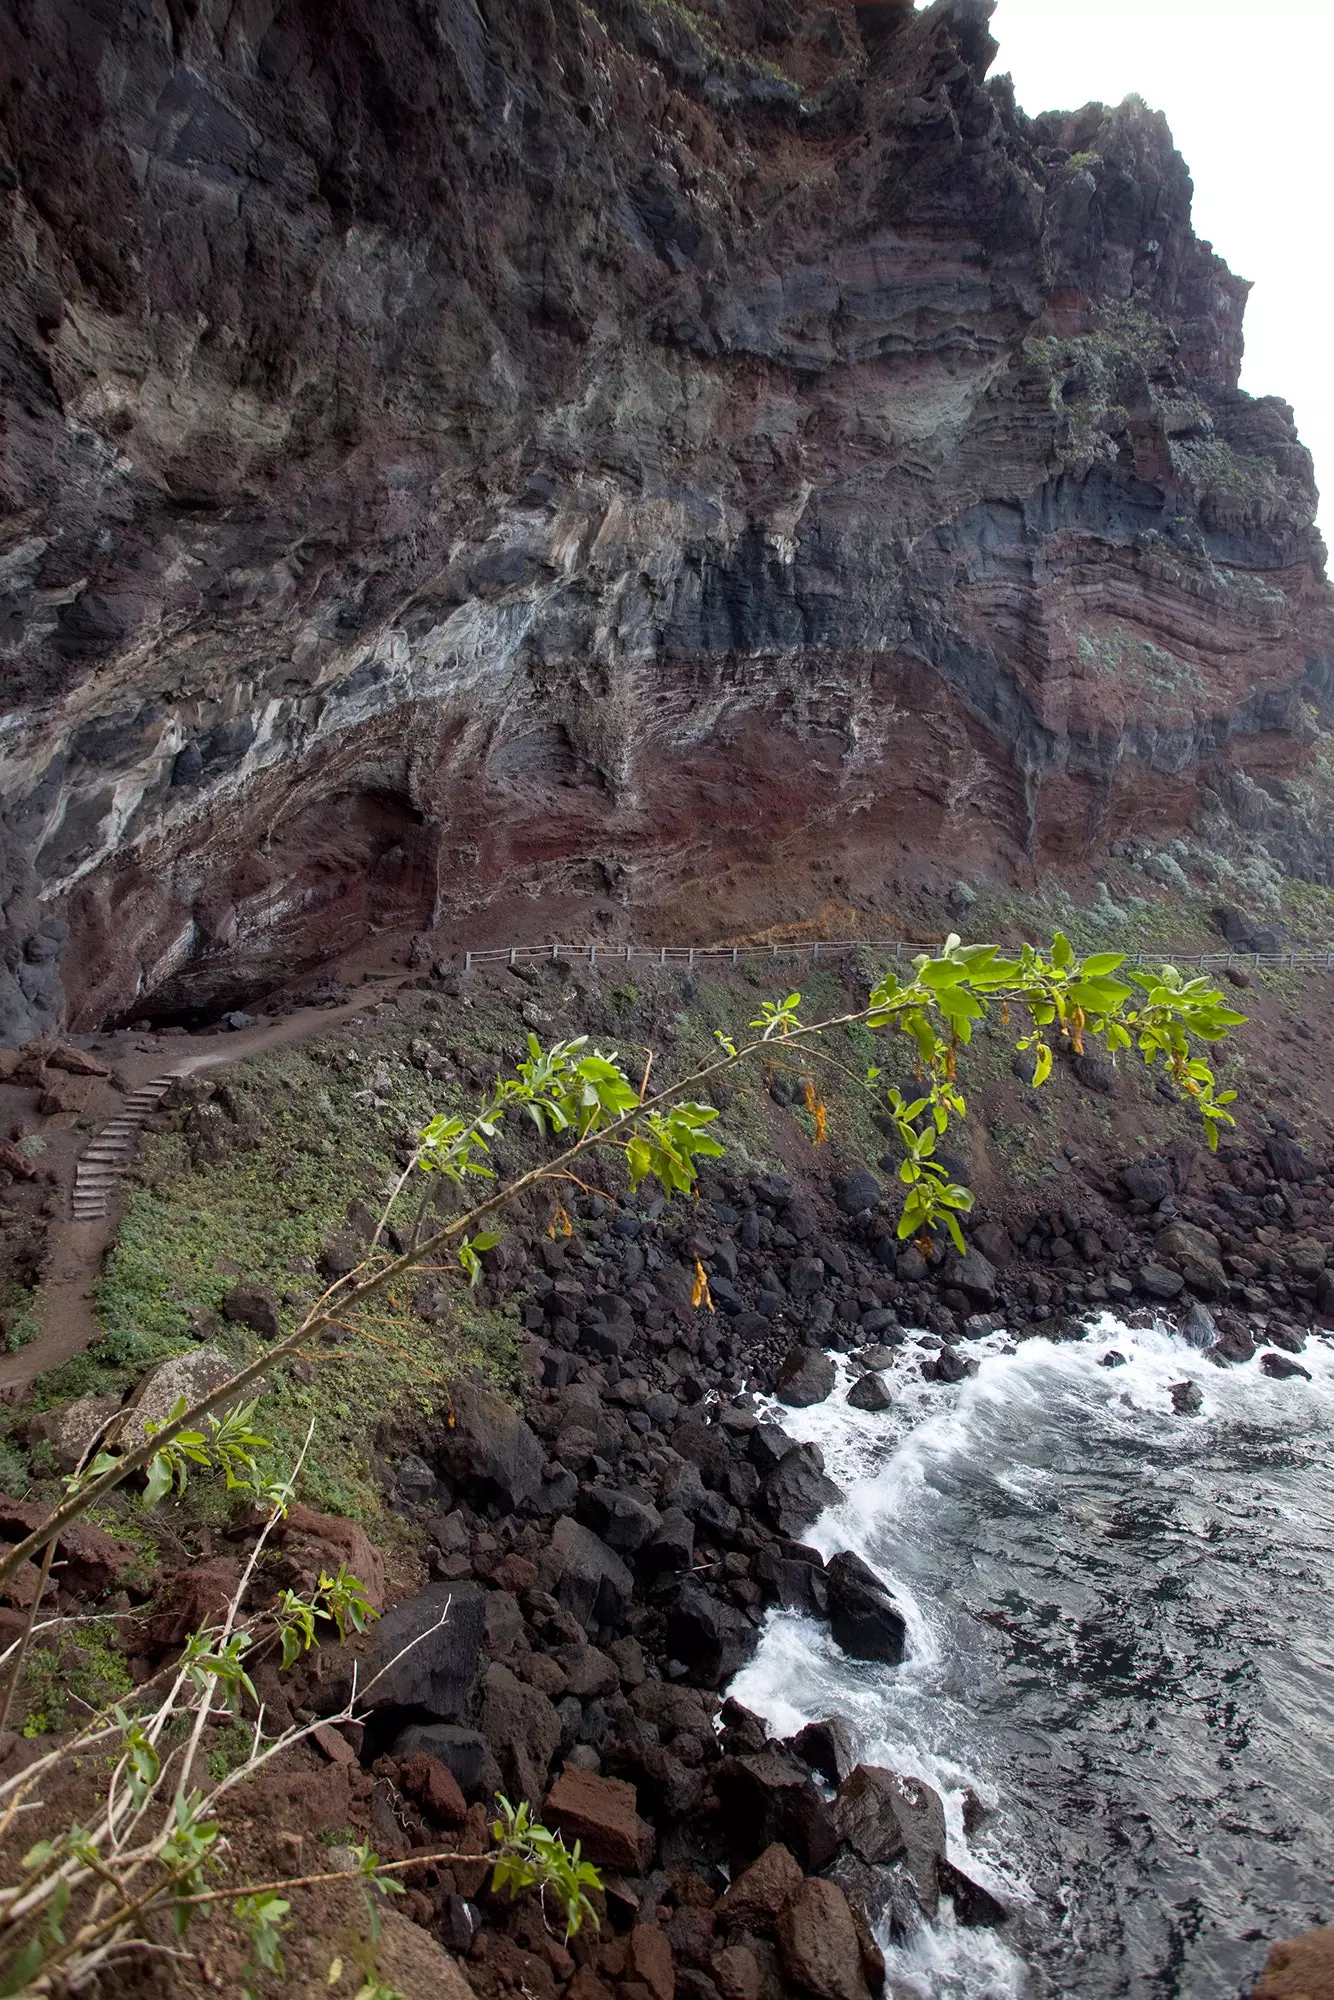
x: 1120, y: 1640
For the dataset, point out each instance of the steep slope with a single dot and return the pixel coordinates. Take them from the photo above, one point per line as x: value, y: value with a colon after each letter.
x: 508, y: 465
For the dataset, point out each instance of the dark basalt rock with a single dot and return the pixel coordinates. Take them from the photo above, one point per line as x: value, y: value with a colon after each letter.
x: 490, y: 1454
x: 768, y: 1798
x: 435, y: 1676
x: 869, y: 1392
x: 863, y: 1616
x: 713, y: 1638
x: 796, y: 1491
x: 807, y: 1376
x: 1282, y: 1367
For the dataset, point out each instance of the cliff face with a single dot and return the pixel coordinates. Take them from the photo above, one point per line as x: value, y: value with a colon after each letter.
x: 511, y: 464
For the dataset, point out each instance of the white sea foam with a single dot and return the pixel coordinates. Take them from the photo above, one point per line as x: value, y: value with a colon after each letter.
x: 910, y: 1473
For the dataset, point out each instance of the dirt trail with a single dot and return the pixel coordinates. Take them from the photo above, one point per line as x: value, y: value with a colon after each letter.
x: 78, y: 1245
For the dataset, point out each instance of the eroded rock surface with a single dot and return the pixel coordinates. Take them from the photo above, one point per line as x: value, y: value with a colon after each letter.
x: 506, y: 466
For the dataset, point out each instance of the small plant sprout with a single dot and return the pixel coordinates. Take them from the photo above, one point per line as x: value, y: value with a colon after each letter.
x: 532, y: 1857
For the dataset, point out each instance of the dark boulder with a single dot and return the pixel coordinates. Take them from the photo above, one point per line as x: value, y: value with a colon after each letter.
x: 882, y: 1815
x: 435, y: 1676
x: 1146, y: 1183
x: 869, y: 1392
x: 796, y: 1586
x: 523, y: 1729
x: 490, y: 1453
x: 624, y: 1520
x: 708, y: 1635
x: 246, y: 1305
x: 1287, y: 1160
x: 827, y: 1748
x: 796, y: 1491
x: 974, y: 1906
x: 463, y: 1752
x: 1281, y: 1367
x: 595, y: 1586
x: 858, y: 1191
x: 770, y: 1797
x: 807, y: 1376
x: 974, y: 1275
x: 805, y: 1276
x: 951, y: 1366
x: 1187, y: 1398
x: 863, y: 1616
x: 671, y: 1549
x: 1198, y: 1328
x: 1155, y: 1281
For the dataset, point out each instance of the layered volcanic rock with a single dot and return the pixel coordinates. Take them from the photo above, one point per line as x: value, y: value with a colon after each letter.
x: 505, y: 466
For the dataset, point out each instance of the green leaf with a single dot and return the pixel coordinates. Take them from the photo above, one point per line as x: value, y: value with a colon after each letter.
x: 159, y: 1480
x: 1062, y: 951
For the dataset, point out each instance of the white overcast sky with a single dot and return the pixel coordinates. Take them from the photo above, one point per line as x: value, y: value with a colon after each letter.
x: 1245, y: 85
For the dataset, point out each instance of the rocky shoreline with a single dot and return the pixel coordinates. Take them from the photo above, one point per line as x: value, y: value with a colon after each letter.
x: 609, y: 1553
x: 609, y: 1542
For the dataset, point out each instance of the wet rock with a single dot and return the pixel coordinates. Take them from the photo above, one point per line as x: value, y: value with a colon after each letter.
x: 710, y: 1636
x: 951, y: 1366
x: 974, y: 1906
x: 796, y: 1491
x: 489, y: 1452
x: 882, y: 1816
x: 818, y: 1943
x: 1281, y: 1367
x: 602, y: 1814
x: 1187, y: 1398
x: 246, y: 1305
x: 1157, y: 1282
x: 863, y: 1617
x: 595, y: 1586
x: 866, y: 1815
x: 770, y: 1796
x: 1113, y: 1358
x: 796, y: 1585
x: 523, y: 1729
x: 757, y: 1895
x: 1198, y: 1328
x: 826, y: 1747
x: 807, y: 1376
x: 869, y: 1392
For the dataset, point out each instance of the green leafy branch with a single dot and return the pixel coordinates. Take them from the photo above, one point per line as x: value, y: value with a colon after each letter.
x: 532, y: 1857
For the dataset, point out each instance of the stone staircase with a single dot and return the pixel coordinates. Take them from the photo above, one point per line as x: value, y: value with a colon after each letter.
x: 110, y: 1152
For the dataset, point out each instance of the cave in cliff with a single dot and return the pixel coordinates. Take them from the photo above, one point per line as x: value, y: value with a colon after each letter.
x: 539, y: 468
